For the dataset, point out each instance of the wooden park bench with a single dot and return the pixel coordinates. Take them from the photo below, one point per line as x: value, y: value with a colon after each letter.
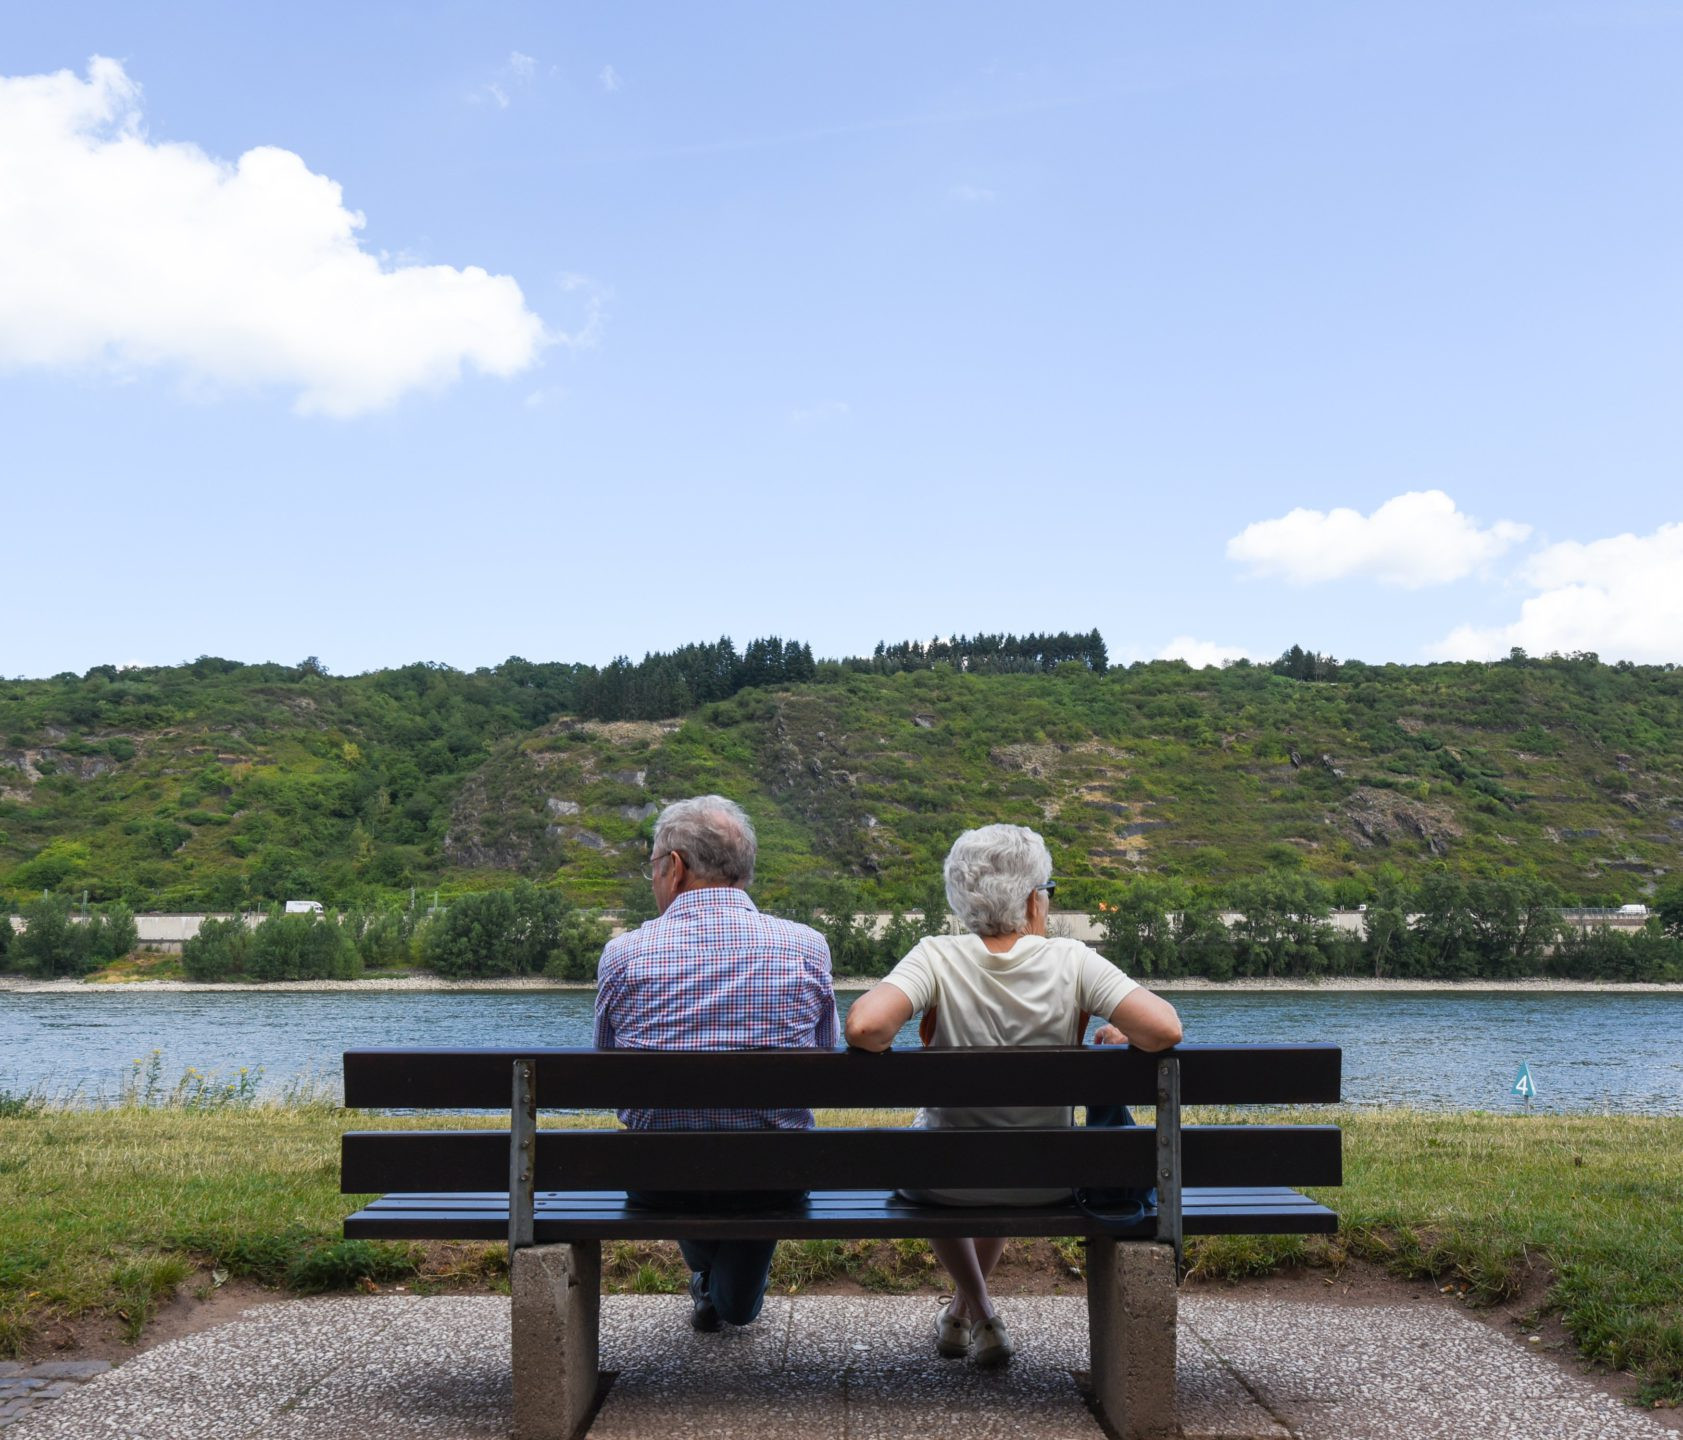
x: 567, y: 1186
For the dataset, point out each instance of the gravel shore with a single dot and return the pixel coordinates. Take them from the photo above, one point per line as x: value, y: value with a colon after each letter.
x: 22, y: 985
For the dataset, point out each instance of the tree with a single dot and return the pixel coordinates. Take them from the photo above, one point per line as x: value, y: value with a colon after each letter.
x: 579, y: 939
x: 1510, y: 920
x: 1668, y: 910
x: 512, y: 932
x: 1139, y: 928
x: 221, y: 950
x: 112, y: 933
x: 1201, y: 935
x: 384, y: 939
x: 1444, y: 942
x: 52, y: 944
x: 302, y: 947
x: 1385, y: 935
x: 1282, y: 927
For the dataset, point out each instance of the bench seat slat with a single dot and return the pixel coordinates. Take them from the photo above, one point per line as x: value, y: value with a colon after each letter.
x: 859, y: 1214
x: 385, y: 1160
x: 575, y: 1079
x: 559, y: 1202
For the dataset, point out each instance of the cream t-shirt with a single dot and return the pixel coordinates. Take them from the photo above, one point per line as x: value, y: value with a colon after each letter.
x: 1032, y: 994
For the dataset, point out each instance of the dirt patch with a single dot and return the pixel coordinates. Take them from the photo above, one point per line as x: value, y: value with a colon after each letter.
x: 625, y: 732
x: 197, y: 1305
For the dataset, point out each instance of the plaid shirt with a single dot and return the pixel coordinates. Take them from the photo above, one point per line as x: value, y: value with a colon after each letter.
x: 713, y: 973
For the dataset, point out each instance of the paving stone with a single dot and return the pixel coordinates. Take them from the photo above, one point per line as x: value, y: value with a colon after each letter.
x: 19, y: 1385
x: 68, y: 1369
x: 10, y: 1367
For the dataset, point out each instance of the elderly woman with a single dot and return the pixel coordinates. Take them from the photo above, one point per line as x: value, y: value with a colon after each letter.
x: 1005, y: 983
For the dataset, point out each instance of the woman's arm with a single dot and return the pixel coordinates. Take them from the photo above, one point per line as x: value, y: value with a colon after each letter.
x: 1148, y: 1020
x: 876, y: 1017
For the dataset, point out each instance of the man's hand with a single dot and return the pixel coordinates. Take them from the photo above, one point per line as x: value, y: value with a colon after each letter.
x: 1109, y: 1035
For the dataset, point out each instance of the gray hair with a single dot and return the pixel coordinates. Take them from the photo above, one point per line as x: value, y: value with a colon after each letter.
x: 990, y: 873
x: 713, y: 834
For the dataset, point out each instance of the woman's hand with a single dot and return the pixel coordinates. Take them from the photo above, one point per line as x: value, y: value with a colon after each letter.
x: 1109, y: 1035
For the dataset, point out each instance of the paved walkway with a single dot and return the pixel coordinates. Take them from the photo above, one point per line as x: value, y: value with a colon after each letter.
x: 404, y: 1368
x: 27, y: 1387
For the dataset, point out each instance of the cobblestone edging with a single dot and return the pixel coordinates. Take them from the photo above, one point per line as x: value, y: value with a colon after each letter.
x: 24, y: 1388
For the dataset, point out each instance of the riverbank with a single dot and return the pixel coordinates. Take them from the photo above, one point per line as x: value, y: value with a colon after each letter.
x: 1346, y: 984
x: 181, y: 1200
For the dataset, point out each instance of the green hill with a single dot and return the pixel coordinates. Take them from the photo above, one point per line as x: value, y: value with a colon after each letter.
x: 217, y: 784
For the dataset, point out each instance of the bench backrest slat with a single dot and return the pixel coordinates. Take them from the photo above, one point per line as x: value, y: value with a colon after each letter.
x: 459, y: 1079
x: 377, y: 1161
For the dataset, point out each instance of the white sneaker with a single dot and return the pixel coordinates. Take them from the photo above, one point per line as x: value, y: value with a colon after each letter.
x: 993, y: 1343
x: 952, y: 1335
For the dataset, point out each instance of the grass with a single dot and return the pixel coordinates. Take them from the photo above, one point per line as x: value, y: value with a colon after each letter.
x: 106, y: 1212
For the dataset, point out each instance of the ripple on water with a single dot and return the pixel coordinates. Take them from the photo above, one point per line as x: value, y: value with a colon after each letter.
x: 1435, y: 1049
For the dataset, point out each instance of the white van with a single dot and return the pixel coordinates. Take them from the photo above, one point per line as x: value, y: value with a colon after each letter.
x: 304, y: 907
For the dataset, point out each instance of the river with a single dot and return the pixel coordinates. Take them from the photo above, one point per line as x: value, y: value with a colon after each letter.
x: 1432, y: 1049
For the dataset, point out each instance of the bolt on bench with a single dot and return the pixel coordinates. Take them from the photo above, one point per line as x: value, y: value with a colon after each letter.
x: 555, y: 1195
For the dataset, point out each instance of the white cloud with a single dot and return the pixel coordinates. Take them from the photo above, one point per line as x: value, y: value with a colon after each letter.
x: 594, y: 298
x: 123, y: 254
x: 1621, y: 598
x: 545, y: 396
x: 973, y: 194
x: 608, y: 79
x: 824, y: 410
x: 1416, y: 539
x: 1201, y: 654
x: 517, y: 73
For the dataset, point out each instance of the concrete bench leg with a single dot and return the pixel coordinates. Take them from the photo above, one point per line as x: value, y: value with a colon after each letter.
x: 1131, y: 1325
x: 557, y: 1314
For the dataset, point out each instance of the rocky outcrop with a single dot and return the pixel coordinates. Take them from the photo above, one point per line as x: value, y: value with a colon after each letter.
x: 1373, y: 817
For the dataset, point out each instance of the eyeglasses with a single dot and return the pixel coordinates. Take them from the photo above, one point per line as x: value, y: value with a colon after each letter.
x: 649, y: 869
x: 1050, y: 887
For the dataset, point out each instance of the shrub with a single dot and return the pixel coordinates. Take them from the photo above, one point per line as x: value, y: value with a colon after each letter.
x: 579, y: 941
x: 220, y: 951
x: 512, y: 932
x: 302, y: 947
x: 385, y: 939
x: 112, y: 933
x: 52, y: 943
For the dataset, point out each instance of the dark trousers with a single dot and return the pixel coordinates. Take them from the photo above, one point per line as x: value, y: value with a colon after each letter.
x: 736, y: 1270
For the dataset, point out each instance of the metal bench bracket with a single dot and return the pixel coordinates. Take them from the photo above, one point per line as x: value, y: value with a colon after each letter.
x: 1170, y: 1223
x: 522, y: 1159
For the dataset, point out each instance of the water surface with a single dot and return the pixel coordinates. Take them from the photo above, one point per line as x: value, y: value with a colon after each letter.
x: 1434, y: 1049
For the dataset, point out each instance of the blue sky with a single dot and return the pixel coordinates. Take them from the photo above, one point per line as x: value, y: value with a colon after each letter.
x: 1220, y: 327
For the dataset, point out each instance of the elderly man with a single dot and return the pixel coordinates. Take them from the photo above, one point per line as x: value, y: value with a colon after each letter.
x: 710, y: 972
